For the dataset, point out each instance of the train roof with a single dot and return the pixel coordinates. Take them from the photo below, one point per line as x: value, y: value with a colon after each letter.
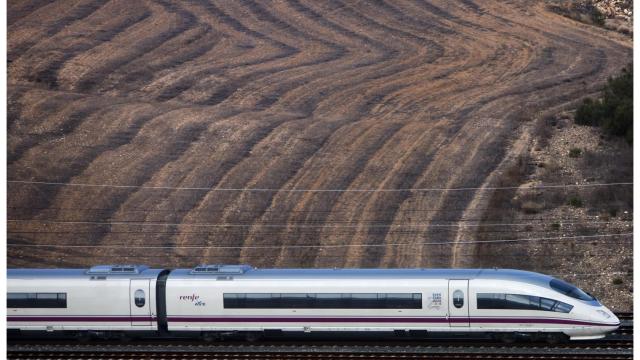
x: 139, y: 273
x: 368, y: 274
x: 243, y: 272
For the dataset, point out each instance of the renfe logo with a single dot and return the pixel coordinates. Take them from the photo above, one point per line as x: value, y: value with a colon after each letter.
x: 193, y: 298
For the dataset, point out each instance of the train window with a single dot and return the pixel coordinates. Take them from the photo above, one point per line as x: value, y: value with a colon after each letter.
x: 458, y: 299
x: 520, y: 302
x: 570, y: 290
x: 233, y: 301
x: 562, y: 307
x: 491, y: 301
x: 36, y: 300
x: 139, y: 298
x: 322, y: 301
x: 295, y: 301
x: 365, y: 301
x: 255, y: 300
x: 400, y: 301
x: 547, y: 304
x: 331, y: 301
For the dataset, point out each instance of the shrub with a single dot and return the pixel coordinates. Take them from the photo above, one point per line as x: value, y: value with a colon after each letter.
x: 604, y: 216
x: 574, y: 201
x: 555, y: 226
x: 575, y: 152
x: 589, y: 113
x: 614, y: 112
x: 597, y: 17
x: 530, y: 207
x: 617, y: 281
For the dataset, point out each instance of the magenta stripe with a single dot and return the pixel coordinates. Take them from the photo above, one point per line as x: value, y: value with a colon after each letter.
x: 81, y: 318
x: 387, y: 319
x: 309, y: 319
x: 536, y: 320
x: 474, y: 320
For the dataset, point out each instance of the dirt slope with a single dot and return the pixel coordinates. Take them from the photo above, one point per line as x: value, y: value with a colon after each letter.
x: 182, y: 99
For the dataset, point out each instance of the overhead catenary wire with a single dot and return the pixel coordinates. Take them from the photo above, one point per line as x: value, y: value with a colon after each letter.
x: 200, y: 246
x: 90, y: 235
x: 332, y: 210
x: 129, y: 246
x: 198, y: 242
x: 284, y: 234
x: 323, y: 256
x: 324, y: 225
x: 149, y: 187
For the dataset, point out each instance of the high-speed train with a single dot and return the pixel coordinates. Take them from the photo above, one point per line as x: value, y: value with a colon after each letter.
x: 211, y: 301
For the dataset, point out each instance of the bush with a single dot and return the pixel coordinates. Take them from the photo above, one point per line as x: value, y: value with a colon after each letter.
x: 530, y: 207
x: 575, y: 152
x: 589, y: 113
x: 555, y: 226
x: 574, y: 201
x: 617, y: 281
x: 614, y: 112
x: 604, y: 216
x: 597, y: 17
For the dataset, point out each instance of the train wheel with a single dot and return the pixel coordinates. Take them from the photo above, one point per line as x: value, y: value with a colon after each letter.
x: 83, y: 337
x: 556, y: 338
x: 124, y: 338
x: 210, y: 337
x: 508, y: 338
x: 253, y: 336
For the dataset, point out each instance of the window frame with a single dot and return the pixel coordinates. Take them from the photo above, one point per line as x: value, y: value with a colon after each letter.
x: 322, y: 301
x: 33, y: 300
x: 139, y: 301
x: 570, y: 290
x: 457, y: 298
x: 501, y: 301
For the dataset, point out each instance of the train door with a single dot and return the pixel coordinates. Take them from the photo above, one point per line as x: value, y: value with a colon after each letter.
x: 459, y: 303
x: 139, y: 302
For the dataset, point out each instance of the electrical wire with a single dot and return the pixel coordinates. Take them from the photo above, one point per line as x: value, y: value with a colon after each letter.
x: 311, y: 190
x: 197, y: 247
x: 251, y: 225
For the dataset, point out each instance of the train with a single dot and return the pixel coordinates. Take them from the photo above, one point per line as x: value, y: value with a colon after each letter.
x: 216, y: 301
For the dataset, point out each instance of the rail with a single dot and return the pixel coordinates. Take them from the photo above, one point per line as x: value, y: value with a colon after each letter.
x: 618, y: 345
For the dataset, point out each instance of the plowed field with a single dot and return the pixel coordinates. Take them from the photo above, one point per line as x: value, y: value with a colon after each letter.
x: 277, y: 133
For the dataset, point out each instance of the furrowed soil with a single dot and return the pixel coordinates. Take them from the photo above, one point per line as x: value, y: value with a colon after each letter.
x: 202, y: 132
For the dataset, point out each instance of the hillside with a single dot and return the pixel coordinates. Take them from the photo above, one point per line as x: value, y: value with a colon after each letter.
x: 213, y: 125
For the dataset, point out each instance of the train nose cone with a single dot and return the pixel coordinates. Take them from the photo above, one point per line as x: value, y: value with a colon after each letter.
x: 614, y: 320
x: 608, y: 317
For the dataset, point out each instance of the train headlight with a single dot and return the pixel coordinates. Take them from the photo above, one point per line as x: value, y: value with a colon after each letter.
x: 604, y: 313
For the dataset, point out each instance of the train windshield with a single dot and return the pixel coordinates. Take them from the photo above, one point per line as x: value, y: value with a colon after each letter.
x: 570, y: 290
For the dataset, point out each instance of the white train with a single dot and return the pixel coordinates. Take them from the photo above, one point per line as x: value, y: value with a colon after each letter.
x: 211, y: 300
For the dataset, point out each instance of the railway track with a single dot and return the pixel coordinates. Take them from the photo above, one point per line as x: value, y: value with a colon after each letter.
x: 616, y: 348
x: 315, y: 356
x: 625, y: 316
x: 331, y: 352
x: 618, y: 345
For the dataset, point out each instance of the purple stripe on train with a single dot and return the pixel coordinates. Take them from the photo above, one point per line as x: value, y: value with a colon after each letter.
x: 199, y: 319
x: 387, y: 320
x: 81, y: 318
